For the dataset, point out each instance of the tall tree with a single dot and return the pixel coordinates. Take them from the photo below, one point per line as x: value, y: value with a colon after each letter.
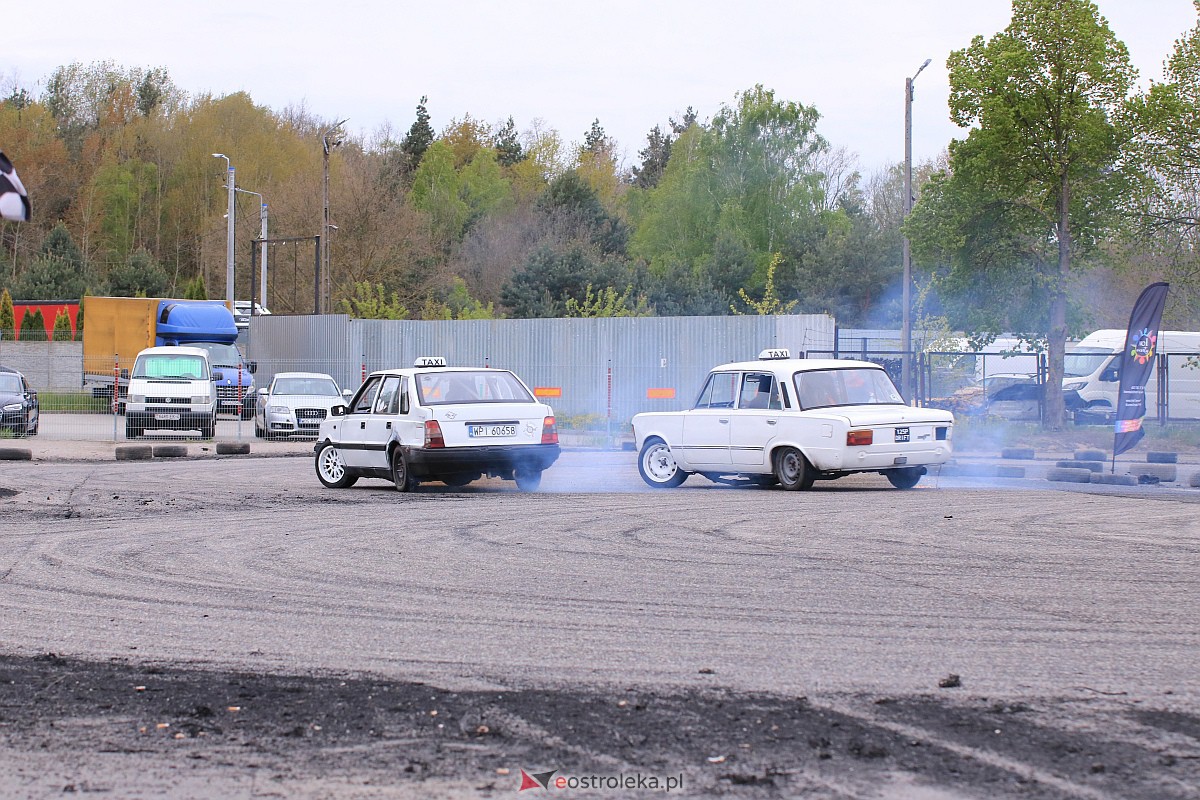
x: 419, y: 136
x: 507, y: 142
x: 1044, y: 163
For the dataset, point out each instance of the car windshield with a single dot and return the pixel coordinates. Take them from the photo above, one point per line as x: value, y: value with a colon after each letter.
x: 1080, y: 363
x: 849, y: 386
x: 221, y: 355
x: 175, y: 366
x: 10, y: 383
x: 484, y: 386
x: 317, y: 387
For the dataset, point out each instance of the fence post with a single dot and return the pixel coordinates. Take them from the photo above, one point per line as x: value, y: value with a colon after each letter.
x: 608, y: 411
x: 116, y: 400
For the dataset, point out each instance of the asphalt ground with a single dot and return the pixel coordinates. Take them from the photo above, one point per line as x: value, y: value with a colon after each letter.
x: 1004, y: 638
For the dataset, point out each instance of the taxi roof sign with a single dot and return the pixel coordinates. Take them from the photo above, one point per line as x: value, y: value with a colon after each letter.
x: 430, y: 361
x: 774, y: 353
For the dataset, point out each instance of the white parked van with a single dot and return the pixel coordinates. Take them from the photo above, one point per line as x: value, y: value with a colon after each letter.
x: 1090, y: 369
x: 171, y: 388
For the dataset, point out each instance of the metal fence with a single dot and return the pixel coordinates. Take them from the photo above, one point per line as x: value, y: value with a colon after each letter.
x: 596, y: 373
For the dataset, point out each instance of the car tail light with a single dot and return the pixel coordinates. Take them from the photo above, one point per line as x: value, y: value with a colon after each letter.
x: 433, y: 434
x: 549, y: 431
x: 858, y: 438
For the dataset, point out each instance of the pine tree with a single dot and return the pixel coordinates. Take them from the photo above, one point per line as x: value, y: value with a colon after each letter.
x: 419, y: 137
x: 33, y: 326
x: 508, y: 145
x: 8, y: 316
x: 79, y: 317
x: 62, y: 327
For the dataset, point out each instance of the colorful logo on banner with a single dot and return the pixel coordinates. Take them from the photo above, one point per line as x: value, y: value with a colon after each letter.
x: 1141, y: 345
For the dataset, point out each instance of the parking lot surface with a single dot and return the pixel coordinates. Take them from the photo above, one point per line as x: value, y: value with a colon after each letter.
x: 955, y: 640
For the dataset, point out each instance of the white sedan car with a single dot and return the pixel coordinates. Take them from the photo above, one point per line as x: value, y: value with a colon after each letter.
x: 431, y: 422
x: 785, y: 421
x: 295, y: 404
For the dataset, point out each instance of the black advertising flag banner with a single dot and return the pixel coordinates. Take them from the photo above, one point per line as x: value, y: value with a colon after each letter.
x: 1137, y: 365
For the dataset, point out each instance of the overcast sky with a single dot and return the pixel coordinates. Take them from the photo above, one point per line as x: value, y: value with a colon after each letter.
x: 630, y: 63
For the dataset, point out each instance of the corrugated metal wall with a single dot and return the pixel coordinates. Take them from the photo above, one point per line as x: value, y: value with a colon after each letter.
x: 602, y: 367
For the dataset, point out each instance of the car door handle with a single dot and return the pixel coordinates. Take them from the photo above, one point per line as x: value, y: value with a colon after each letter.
x: 771, y: 421
x: 723, y: 421
x: 389, y: 426
x: 362, y: 425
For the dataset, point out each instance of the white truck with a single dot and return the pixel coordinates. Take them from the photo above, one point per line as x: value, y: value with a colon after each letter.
x: 1090, y: 369
x: 171, y: 388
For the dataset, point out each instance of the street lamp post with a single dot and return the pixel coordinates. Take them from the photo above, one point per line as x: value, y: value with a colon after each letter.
x: 330, y: 138
x: 906, y: 324
x: 230, y: 214
x: 262, y: 218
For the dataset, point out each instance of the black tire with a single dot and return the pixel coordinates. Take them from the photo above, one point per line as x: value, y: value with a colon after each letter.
x: 905, y: 478
x: 132, y: 431
x: 331, y: 471
x: 400, y: 473
x: 657, y: 465
x: 458, y: 481
x: 792, y: 469
x: 528, y: 480
x: 259, y: 433
x: 209, y: 429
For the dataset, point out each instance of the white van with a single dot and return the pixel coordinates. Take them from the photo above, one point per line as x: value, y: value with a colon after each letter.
x: 1090, y: 368
x: 171, y: 388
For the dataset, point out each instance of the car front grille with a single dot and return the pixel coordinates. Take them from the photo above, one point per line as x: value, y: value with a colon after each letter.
x: 310, y: 413
x: 231, y: 392
x: 161, y: 401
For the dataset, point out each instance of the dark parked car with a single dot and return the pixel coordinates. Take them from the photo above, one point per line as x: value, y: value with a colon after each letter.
x: 18, y: 404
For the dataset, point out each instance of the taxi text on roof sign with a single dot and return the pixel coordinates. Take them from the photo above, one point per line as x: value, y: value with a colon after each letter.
x: 771, y: 354
x: 430, y: 361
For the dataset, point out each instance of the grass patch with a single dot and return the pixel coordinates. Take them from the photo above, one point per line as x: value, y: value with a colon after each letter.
x: 72, y: 402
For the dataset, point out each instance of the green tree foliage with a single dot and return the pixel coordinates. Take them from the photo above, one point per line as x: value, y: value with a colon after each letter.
x: 1166, y: 217
x: 139, y: 275
x: 732, y: 194
x: 419, y: 137
x: 195, y: 289
x: 655, y: 156
x: 551, y: 277
x: 507, y: 143
x: 770, y: 303
x: 79, y: 317
x: 58, y: 273
x: 33, y: 326
x: 125, y: 193
x: 608, y: 303
x: 372, y: 301
x: 8, y: 316
x: 62, y: 327
x: 435, y: 190
x: 1037, y: 182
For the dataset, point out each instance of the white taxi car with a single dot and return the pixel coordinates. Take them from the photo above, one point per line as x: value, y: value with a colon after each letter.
x: 785, y: 421
x: 437, y: 423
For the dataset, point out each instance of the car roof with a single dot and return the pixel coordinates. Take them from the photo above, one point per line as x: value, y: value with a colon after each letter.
x: 175, y: 350
x: 411, y: 370
x: 9, y: 369
x: 304, y: 375
x: 792, y: 365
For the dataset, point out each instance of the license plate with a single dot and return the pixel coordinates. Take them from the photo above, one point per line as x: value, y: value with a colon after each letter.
x: 901, y: 434
x: 167, y: 417
x: 484, y: 431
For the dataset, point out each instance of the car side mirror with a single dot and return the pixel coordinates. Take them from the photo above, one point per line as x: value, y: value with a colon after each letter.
x: 337, y: 411
x: 262, y: 392
x: 1110, y: 375
x: 252, y: 366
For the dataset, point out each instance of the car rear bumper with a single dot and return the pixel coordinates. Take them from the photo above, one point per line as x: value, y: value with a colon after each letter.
x: 487, y: 459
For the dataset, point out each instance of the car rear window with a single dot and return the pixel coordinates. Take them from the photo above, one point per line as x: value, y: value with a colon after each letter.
x: 484, y: 386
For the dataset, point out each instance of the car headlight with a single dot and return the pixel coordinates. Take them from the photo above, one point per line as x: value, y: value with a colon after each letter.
x: 14, y: 406
x: 278, y: 410
x: 136, y: 398
x: 201, y: 399
x: 1074, y: 386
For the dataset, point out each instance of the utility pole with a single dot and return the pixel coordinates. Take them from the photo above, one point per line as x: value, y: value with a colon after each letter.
x: 330, y: 138
x: 906, y: 381
x: 262, y: 237
x: 229, y: 232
